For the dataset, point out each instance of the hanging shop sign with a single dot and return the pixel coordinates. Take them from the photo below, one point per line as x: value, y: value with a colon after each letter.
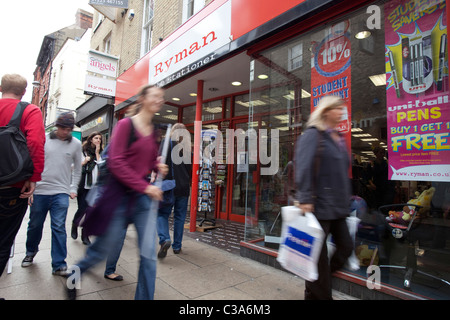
x: 197, y: 47
x: 331, y: 69
x: 100, y: 87
x: 110, y: 3
x: 102, y: 64
x: 417, y: 90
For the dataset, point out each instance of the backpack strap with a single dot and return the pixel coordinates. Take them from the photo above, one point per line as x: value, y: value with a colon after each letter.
x: 17, y: 115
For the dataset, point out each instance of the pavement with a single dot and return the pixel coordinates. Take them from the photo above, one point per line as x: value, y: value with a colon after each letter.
x: 199, y: 272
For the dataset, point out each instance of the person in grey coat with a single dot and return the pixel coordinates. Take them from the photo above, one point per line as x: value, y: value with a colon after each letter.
x: 324, y: 188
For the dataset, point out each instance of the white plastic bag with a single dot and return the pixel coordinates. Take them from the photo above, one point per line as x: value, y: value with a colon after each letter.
x: 353, y: 261
x: 301, y: 243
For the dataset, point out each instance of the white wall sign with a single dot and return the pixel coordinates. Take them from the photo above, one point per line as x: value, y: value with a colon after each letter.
x: 193, y: 49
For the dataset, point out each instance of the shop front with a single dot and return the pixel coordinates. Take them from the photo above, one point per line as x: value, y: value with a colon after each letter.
x: 96, y: 115
x: 248, y: 96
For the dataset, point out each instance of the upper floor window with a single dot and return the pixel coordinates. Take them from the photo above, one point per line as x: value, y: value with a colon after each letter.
x: 191, y: 7
x: 147, y: 26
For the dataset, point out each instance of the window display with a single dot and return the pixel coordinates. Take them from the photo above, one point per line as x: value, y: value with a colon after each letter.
x: 395, y: 80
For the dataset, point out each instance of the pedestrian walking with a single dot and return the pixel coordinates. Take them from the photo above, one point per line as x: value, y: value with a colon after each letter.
x: 14, y: 196
x: 181, y: 173
x: 60, y: 179
x: 323, y: 187
x: 91, y: 150
x: 128, y: 196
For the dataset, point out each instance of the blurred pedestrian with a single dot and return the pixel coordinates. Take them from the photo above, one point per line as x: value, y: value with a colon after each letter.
x: 91, y: 150
x: 14, y: 197
x: 60, y: 179
x: 128, y: 196
x: 323, y: 187
x: 181, y: 173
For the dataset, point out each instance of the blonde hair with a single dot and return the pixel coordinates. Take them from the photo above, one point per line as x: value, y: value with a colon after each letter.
x: 317, y: 118
x: 14, y: 83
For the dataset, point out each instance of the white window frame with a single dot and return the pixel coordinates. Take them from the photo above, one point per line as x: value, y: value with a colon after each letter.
x: 191, y: 7
x: 295, y: 56
x: 147, y: 27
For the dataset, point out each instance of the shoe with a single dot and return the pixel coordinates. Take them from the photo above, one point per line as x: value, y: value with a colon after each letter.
x: 85, y: 238
x: 27, y: 261
x: 74, y: 231
x: 163, y: 250
x: 62, y: 271
x: 116, y: 278
x: 176, y: 251
x: 71, y: 294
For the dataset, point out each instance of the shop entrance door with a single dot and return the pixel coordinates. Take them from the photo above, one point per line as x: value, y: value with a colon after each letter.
x: 242, y: 186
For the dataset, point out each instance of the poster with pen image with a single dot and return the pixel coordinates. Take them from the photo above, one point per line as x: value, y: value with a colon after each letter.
x: 417, y: 90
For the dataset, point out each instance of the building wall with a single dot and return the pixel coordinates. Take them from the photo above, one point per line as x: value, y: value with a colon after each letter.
x: 68, y: 77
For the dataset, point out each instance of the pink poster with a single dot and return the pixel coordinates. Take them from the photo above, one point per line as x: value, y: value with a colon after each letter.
x: 417, y: 90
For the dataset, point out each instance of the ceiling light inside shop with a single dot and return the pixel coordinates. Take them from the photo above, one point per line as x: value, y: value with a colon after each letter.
x: 363, y: 34
x: 236, y: 83
x: 213, y: 110
x: 370, y: 139
x: 255, y: 103
x: 193, y: 94
x: 263, y: 76
x: 176, y: 99
x: 171, y: 117
x: 361, y: 135
x: 291, y: 96
x: 378, y: 79
x: 357, y: 130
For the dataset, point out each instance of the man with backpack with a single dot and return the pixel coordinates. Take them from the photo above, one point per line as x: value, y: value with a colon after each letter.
x: 17, y: 187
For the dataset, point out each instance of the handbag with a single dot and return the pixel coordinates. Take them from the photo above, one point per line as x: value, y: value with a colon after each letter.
x: 301, y: 243
x: 168, y: 188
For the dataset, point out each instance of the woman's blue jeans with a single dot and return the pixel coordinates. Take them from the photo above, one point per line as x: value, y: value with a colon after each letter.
x: 112, y: 239
x: 57, y: 205
x: 179, y: 216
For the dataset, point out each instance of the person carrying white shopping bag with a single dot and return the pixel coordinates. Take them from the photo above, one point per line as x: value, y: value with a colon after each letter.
x: 323, y: 188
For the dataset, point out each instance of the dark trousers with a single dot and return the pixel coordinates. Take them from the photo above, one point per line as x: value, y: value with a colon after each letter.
x: 321, y: 288
x: 82, y: 205
x: 12, y: 211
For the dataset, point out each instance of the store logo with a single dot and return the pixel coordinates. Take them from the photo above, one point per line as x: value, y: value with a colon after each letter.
x: 255, y: 145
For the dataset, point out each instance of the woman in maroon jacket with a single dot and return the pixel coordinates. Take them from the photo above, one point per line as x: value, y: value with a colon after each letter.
x: 14, y: 198
x: 128, y: 195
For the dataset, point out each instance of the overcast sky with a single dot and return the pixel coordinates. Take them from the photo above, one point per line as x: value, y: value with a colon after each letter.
x: 24, y: 24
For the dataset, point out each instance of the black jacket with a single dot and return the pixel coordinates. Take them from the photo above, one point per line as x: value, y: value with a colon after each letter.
x: 322, y: 180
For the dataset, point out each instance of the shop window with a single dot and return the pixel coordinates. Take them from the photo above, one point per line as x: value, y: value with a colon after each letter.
x: 167, y: 114
x: 391, y: 80
x: 189, y: 114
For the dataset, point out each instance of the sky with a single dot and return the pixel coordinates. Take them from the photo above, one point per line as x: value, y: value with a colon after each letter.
x: 24, y: 24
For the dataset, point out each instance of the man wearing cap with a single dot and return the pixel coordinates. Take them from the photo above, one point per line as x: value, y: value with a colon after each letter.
x: 62, y: 173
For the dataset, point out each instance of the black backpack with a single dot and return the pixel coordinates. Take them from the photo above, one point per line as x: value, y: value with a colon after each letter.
x: 15, y: 161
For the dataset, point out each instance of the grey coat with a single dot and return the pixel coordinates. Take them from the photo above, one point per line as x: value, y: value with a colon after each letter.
x: 331, y: 190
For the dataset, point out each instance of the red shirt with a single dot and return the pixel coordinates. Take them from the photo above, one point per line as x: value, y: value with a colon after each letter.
x: 32, y: 126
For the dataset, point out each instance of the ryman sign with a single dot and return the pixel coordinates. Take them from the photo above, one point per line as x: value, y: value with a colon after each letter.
x: 195, y: 48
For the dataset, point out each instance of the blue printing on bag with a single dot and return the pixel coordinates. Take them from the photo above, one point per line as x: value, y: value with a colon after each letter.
x: 299, y: 241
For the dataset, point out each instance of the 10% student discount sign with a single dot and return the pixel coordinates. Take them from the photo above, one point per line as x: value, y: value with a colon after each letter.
x: 331, y: 68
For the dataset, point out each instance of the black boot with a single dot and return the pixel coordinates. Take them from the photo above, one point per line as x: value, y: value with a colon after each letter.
x: 85, y: 238
x: 74, y: 232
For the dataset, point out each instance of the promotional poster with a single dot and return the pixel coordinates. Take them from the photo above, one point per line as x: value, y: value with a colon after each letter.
x: 331, y: 69
x: 417, y: 90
